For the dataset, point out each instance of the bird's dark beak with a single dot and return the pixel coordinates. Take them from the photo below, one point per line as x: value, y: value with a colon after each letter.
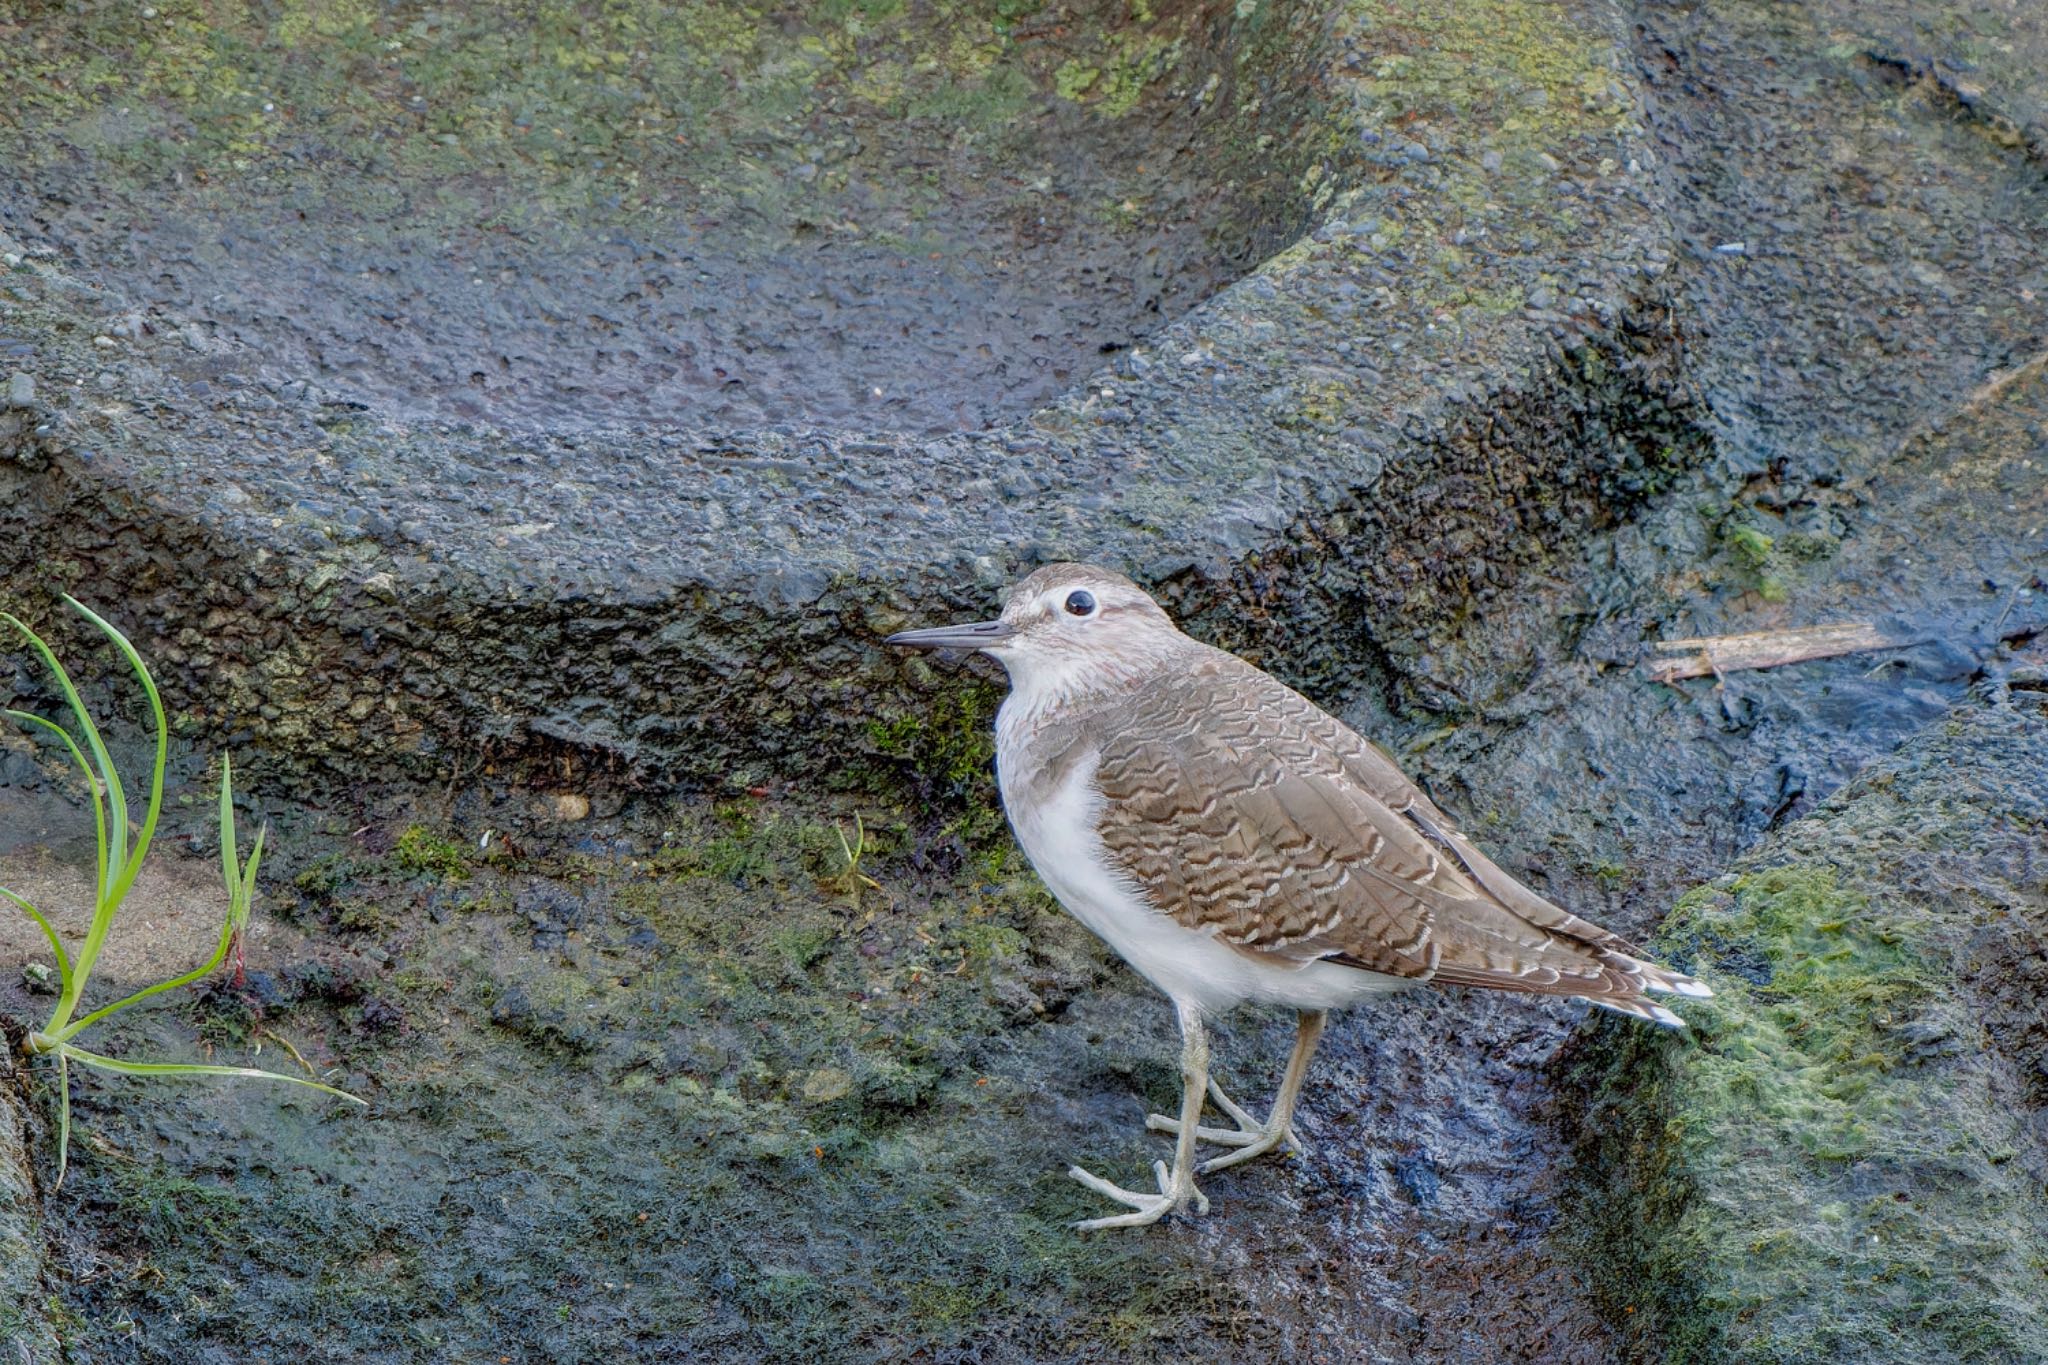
x: 977, y: 635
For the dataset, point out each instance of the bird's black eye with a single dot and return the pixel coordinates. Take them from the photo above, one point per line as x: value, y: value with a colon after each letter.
x: 1081, y: 602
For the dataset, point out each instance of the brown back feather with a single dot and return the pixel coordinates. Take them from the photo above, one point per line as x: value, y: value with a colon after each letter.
x: 1245, y: 810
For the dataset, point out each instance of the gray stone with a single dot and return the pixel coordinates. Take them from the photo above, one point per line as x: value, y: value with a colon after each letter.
x: 814, y: 483
x: 25, y: 1332
x: 1464, y: 547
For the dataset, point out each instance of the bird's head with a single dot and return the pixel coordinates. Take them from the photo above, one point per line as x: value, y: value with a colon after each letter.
x: 1067, y: 628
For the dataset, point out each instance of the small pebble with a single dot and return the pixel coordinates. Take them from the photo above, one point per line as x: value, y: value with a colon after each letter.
x: 826, y: 1084
x: 21, y: 390
x: 571, y: 806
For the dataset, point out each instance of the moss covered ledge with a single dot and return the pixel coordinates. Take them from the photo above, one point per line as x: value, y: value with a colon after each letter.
x: 1844, y: 1163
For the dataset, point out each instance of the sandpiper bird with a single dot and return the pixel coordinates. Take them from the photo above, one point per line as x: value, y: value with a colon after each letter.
x: 1235, y: 843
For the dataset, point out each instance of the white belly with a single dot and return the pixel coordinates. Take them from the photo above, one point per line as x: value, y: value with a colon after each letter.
x: 1190, y: 966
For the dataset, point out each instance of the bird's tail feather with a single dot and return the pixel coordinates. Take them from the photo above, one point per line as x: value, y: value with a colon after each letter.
x: 1668, y: 982
x: 1638, y: 1008
x: 1649, y: 978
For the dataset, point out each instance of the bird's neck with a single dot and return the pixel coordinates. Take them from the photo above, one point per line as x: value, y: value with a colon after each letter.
x: 1048, y: 694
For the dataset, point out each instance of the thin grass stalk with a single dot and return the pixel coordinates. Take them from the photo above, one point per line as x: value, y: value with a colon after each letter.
x: 63, y: 1117
x: 117, y: 866
x: 92, y: 783
x: 57, y: 947
x: 115, y: 1064
x: 241, y: 885
x: 131, y: 860
x: 120, y: 863
x: 103, y: 763
x: 133, y: 868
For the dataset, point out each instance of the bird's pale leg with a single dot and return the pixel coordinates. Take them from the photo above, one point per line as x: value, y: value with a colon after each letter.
x: 1244, y: 1121
x: 1280, y: 1123
x: 1248, y: 1130
x: 1251, y: 1137
x: 1176, y: 1187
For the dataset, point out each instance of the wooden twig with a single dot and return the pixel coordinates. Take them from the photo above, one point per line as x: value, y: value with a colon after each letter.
x: 1719, y: 654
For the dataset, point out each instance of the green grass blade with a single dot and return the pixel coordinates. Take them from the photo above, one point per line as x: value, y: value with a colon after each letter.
x: 99, y: 807
x: 236, y: 917
x: 63, y: 961
x: 249, y: 873
x: 241, y: 885
x: 94, y: 1059
x: 241, y: 892
x: 220, y: 955
x: 114, y: 841
x: 230, y: 865
x: 63, y: 1118
x: 163, y: 747
x: 117, y: 807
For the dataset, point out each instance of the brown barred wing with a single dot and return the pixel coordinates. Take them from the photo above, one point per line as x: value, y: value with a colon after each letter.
x: 1224, y: 799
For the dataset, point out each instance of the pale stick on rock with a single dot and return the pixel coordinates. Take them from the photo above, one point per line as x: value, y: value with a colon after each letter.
x: 1718, y: 654
x: 1235, y: 843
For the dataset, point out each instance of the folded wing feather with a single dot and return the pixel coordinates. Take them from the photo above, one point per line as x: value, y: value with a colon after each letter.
x: 1278, y: 829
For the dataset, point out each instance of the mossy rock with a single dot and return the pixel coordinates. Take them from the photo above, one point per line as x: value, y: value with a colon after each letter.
x: 1843, y: 1162
x: 370, y: 616
x: 25, y: 1333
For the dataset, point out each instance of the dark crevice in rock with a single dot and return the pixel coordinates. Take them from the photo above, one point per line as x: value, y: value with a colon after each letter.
x: 1962, y: 103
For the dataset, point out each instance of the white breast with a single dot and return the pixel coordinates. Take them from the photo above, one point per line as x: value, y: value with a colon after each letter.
x: 1060, y: 837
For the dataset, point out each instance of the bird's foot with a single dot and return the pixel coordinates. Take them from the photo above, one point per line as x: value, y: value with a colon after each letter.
x: 1149, y: 1208
x: 1250, y: 1137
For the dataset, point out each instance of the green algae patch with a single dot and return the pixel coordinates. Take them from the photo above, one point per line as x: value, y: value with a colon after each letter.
x: 524, y: 89
x: 1504, y: 68
x: 596, y: 105
x: 1836, y: 1165
x: 861, y: 174
x: 665, y: 1080
x: 422, y: 851
x: 952, y: 736
x: 1500, y: 99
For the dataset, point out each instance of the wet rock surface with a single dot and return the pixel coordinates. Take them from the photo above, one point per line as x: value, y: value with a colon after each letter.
x: 907, y: 219
x: 1611, y: 327
x: 676, y: 1089
x: 1871, y: 364
x: 1983, y: 56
